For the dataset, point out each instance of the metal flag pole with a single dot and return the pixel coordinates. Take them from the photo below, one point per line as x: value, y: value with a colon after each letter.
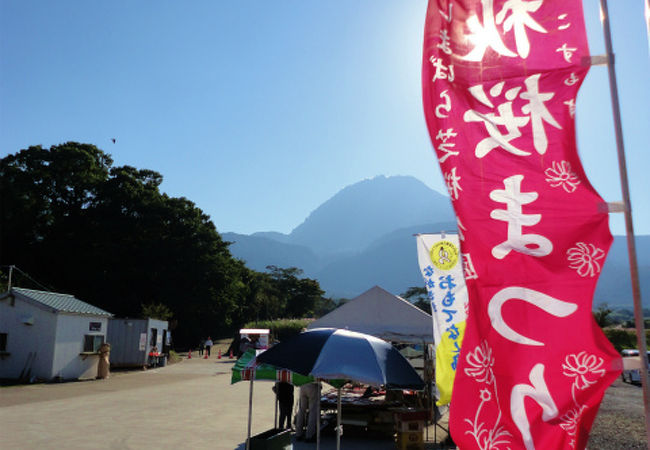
x: 275, y: 420
x: 250, y: 411
x: 629, y: 228
x: 339, y: 430
x: 317, y: 417
x: 647, y: 20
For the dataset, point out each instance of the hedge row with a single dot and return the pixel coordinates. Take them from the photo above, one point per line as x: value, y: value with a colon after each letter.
x: 624, y: 338
x: 283, y: 328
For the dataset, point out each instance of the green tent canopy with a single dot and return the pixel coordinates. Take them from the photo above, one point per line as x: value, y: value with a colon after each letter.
x: 247, y: 367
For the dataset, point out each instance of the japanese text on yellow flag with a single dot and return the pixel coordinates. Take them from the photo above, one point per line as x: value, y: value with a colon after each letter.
x: 441, y: 264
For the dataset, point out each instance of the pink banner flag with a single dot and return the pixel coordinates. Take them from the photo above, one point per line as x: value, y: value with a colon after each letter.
x: 500, y: 80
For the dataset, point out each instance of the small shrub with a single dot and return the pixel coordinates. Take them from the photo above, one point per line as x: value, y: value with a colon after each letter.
x: 173, y: 357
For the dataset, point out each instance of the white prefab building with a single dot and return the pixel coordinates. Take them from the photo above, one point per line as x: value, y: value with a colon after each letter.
x: 46, y: 336
x: 133, y: 339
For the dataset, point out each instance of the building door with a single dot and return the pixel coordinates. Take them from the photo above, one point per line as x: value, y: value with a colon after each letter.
x: 154, y: 337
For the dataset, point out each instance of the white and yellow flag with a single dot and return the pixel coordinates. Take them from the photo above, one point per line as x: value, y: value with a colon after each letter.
x: 441, y: 264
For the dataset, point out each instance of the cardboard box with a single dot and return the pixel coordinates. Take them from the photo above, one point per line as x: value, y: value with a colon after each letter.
x: 410, y: 437
x: 410, y: 441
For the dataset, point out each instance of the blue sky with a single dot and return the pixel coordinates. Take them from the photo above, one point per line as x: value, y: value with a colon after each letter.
x: 258, y: 111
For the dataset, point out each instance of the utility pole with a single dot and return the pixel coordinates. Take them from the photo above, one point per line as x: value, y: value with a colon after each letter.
x: 629, y: 228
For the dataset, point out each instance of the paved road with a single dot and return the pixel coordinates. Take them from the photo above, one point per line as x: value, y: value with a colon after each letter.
x: 186, y: 405
x: 193, y: 405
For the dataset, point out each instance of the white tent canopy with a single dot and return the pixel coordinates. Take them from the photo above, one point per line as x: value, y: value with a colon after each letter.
x: 379, y: 313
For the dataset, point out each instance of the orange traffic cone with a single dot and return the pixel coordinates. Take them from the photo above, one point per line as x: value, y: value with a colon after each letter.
x: 219, y: 356
x: 206, y: 355
x: 189, y: 354
x: 231, y: 355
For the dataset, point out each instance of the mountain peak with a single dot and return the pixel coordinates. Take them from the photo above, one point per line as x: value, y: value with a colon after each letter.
x: 363, y: 236
x: 360, y: 213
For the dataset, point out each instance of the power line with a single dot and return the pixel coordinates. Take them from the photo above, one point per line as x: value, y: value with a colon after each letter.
x: 30, y: 278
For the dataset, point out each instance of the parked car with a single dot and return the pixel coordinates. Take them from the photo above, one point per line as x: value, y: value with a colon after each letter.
x: 632, y: 365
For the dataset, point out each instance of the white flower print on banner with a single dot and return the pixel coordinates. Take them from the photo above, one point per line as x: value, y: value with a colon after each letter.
x: 586, y: 369
x: 560, y: 174
x: 583, y: 367
x: 585, y: 259
x: 570, y: 423
x: 486, y: 395
x: 481, y: 362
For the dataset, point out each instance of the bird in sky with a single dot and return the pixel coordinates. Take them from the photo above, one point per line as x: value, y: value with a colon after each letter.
x: 114, y: 140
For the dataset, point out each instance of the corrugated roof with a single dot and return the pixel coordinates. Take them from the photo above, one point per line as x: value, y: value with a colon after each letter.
x: 60, y: 302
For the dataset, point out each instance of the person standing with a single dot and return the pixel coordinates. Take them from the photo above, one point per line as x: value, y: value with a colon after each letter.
x: 201, y: 346
x: 284, y: 393
x: 244, y: 343
x: 208, y: 346
x: 103, y: 367
x: 308, y: 407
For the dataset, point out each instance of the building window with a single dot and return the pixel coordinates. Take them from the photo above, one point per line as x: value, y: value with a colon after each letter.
x: 92, y: 342
x: 3, y: 342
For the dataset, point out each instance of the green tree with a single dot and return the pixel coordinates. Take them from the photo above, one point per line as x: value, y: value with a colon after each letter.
x: 156, y: 311
x: 108, y: 235
x: 258, y: 300
x: 418, y: 296
x: 44, y: 196
x: 297, y: 296
x: 601, y: 315
x: 323, y: 306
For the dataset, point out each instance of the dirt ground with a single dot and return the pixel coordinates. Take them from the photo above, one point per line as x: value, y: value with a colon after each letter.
x: 620, y: 423
x: 193, y: 405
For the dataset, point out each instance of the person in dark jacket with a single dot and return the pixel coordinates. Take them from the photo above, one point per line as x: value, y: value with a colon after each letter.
x: 284, y: 393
